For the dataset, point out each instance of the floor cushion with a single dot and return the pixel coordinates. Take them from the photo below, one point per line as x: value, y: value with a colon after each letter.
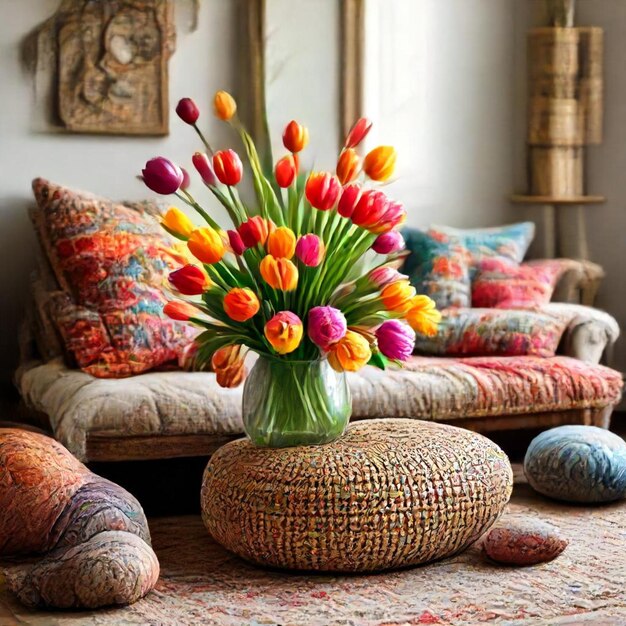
x: 428, y: 388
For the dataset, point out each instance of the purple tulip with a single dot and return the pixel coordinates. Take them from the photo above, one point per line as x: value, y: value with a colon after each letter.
x: 326, y: 325
x: 310, y: 250
x: 395, y: 340
x: 388, y: 242
x: 162, y: 176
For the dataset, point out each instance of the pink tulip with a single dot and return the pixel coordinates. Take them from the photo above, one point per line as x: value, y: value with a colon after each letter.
x: 385, y: 275
x: 388, y: 242
x: 350, y: 196
x: 394, y: 216
x: 186, y: 180
x: 162, y: 176
x: 396, y: 340
x: 326, y: 325
x: 310, y: 250
x: 202, y: 163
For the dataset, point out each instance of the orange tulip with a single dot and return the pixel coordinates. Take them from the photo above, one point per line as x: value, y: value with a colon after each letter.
x: 397, y: 296
x: 380, y: 163
x: 422, y: 315
x: 228, y: 363
x: 347, y: 166
x: 295, y: 137
x: 180, y: 311
x: 284, y: 332
x: 207, y: 245
x: 285, y: 171
x: 350, y: 353
x: 279, y: 273
x: 281, y: 243
x: 177, y: 223
x: 241, y: 304
x: 225, y: 105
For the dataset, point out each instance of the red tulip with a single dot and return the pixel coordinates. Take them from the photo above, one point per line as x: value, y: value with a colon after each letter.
x: 295, y: 137
x: 188, y: 111
x: 358, y: 132
x: 322, y: 190
x: 350, y: 197
x: 394, y: 216
x: 189, y: 280
x: 162, y: 176
x: 285, y: 171
x: 202, y: 163
x: 227, y: 167
x: 180, y: 311
x: 254, y: 231
x: 236, y: 242
x: 370, y: 208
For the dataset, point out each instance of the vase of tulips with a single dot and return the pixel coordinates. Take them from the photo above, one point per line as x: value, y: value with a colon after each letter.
x: 284, y: 280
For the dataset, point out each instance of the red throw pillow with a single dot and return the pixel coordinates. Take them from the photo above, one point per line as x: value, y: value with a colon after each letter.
x: 503, y: 285
x: 110, y: 261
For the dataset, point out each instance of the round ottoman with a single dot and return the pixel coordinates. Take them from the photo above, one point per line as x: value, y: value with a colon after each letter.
x: 389, y: 493
x: 577, y: 464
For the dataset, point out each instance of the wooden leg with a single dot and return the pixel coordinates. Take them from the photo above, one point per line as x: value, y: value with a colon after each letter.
x: 572, y: 233
x: 602, y: 417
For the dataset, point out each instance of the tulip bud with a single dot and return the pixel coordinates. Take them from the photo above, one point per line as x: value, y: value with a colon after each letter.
x: 295, y: 137
x: 177, y: 223
x: 202, y: 163
x: 162, y: 176
x: 236, y: 243
x: 350, y: 196
x: 326, y: 325
x: 322, y: 190
x: 206, y: 245
x: 279, y: 274
x: 347, y: 166
x: 284, y: 332
x: 189, y: 280
x: 228, y: 363
x: 227, y: 167
x: 358, y: 132
x: 225, y: 106
x: 180, y: 311
x: 310, y: 250
x: 241, y: 304
x: 423, y: 316
x: 186, y: 180
x: 187, y: 111
x: 281, y: 243
x: 380, y: 163
x: 285, y: 171
x: 395, y: 340
x: 396, y: 296
x: 350, y: 353
x: 385, y: 275
x: 254, y: 231
x: 388, y: 243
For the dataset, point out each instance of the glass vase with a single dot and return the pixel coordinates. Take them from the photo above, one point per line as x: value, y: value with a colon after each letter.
x: 294, y: 403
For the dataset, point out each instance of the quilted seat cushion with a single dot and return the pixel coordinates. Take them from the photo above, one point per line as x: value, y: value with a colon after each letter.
x: 429, y: 388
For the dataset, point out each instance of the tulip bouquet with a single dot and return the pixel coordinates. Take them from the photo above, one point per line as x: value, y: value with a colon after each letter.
x: 283, y: 281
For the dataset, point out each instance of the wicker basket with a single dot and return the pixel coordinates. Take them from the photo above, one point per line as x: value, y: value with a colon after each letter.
x: 390, y: 493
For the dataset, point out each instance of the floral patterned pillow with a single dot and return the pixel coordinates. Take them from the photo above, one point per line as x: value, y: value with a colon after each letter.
x: 110, y: 261
x: 501, y: 284
x: 437, y: 266
x: 484, y: 332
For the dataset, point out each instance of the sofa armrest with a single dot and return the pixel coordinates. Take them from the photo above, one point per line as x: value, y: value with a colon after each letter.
x: 588, y: 333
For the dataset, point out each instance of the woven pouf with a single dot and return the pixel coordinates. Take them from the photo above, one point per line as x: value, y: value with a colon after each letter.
x: 389, y: 493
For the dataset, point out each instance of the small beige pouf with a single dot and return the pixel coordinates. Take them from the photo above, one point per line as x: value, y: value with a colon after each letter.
x: 389, y: 493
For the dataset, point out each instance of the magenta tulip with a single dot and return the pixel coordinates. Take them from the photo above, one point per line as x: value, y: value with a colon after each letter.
x: 326, y: 325
x: 162, y: 176
x: 396, y: 340
x: 188, y: 111
x: 236, y: 242
x: 202, y: 163
x: 388, y: 243
x: 310, y: 250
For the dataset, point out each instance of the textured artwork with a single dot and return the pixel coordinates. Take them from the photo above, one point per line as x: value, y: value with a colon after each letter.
x: 105, y: 65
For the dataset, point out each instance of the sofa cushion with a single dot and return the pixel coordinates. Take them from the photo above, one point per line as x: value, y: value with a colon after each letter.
x: 484, y: 332
x: 110, y: 262
x: 175, y: 403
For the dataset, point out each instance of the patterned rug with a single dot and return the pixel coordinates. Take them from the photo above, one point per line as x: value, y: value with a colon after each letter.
x: 201, y: 584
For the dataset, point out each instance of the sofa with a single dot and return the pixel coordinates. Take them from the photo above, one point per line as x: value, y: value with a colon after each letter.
x: 163, y: 411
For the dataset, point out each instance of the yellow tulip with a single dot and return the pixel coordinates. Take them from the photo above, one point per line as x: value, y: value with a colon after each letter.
x: 397, y: 296
x: 350, y: 353
x: 207, y: 245
x: 422, y: 315
x: 284, y: 331
x: 177, y: 223
x: 380, y: 163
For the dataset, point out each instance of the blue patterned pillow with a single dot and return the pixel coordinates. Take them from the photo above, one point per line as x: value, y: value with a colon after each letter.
x: 438, y: 267
x: 510, y: 242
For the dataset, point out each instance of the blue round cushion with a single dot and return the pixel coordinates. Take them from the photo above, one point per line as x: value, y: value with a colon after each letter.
x: 577, y: 464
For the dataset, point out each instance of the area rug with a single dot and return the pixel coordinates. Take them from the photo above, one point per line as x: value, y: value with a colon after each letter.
x: 201, y: 584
